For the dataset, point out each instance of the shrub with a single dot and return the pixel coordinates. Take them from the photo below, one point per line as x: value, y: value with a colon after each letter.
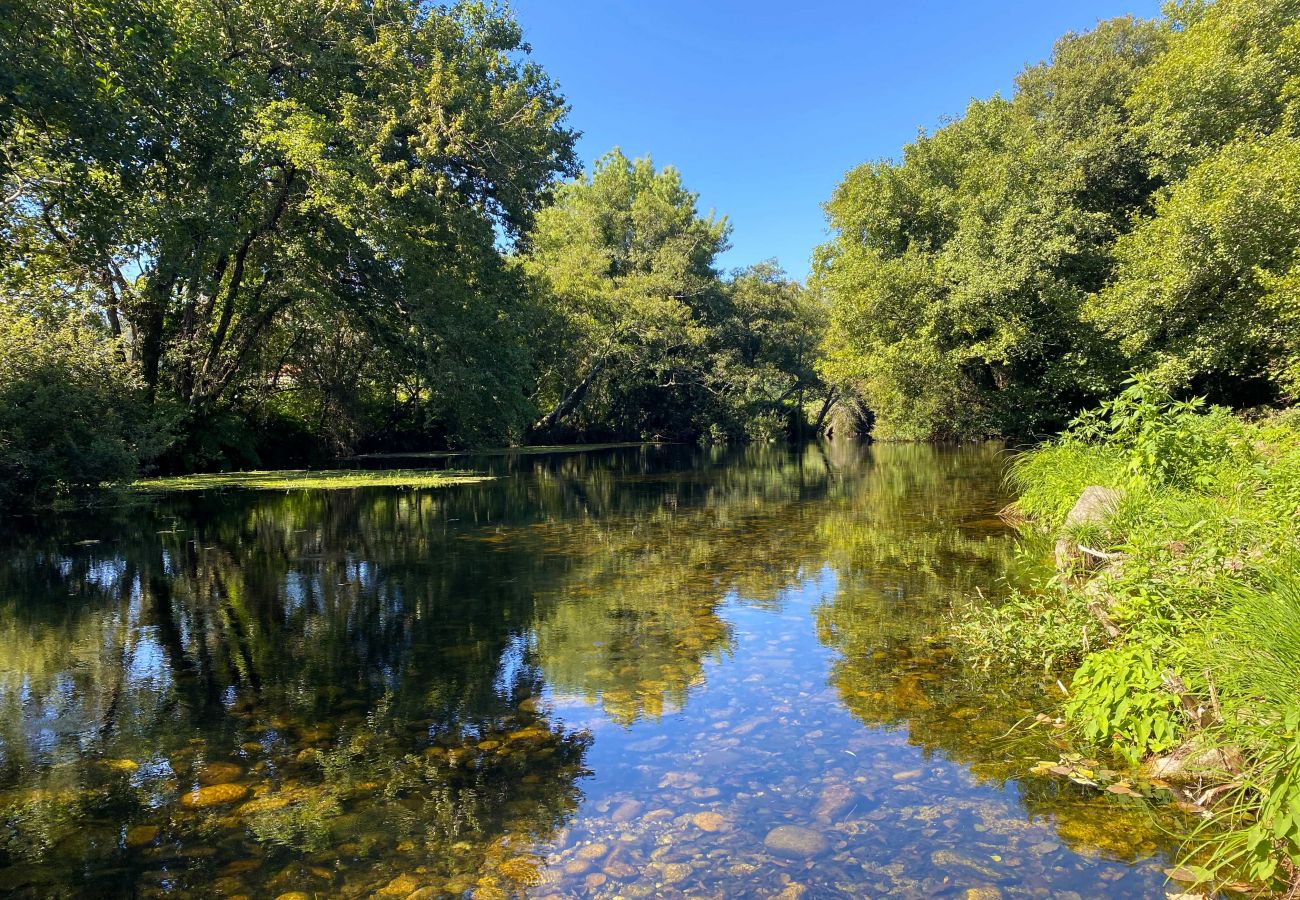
x: 1118, y: 698
x: 72, y: 414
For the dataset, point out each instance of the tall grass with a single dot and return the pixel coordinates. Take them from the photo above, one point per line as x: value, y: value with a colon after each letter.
x: 1203, y: 588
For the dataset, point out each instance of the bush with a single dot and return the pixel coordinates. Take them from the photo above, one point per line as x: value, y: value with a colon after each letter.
x: 72, y: 414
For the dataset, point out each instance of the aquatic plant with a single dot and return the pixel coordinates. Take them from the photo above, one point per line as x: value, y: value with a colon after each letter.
x: 307, y: 479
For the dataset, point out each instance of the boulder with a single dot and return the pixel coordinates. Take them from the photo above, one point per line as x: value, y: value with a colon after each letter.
x: 1095, y: 505
x: 795, y: 842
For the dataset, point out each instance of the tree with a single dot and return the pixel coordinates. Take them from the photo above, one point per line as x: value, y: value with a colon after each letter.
x: 205, y: 171
x: 768, y: 348
x: 1206, y: 297
x: 72, y: 413
x: 629, y: 264
x: 957, y: 275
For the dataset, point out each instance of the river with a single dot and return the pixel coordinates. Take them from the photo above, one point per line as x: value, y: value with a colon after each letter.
x: 633, y: 672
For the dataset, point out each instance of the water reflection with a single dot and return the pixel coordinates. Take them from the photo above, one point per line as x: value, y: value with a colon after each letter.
x: 641, y: 672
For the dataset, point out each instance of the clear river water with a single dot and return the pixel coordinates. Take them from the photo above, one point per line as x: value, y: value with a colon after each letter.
x: 633, y: 672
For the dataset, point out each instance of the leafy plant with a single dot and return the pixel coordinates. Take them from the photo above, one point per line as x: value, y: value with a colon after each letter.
x: 1118, y: 697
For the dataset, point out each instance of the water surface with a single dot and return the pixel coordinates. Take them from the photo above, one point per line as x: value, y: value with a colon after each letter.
x: 637, y: 672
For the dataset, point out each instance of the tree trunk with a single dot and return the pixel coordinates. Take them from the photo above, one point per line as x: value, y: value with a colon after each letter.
x: 831, y: 397
x: 569, y: 403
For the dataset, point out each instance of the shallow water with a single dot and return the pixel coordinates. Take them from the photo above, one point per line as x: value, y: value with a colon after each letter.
x: 636, y: 672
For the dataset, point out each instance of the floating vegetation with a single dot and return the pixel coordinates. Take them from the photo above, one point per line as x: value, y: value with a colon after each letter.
x: 307, y: 479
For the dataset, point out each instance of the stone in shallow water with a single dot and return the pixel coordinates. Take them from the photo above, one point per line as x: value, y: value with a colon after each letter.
x: 795, y: 841
x: 140, y: 835
x: 593, y: 851
x: 709, y: 821
x: 213, y: 795
x: 834, y: 799
x: 675, y: 872
x: 219, y: 773
x: 399, y: 886
x: 625, y: 811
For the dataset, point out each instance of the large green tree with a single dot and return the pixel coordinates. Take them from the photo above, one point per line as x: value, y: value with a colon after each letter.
x: 629, y: 264
x: 209, y: 173
x: 1207, y: 292
x: 956, y: 275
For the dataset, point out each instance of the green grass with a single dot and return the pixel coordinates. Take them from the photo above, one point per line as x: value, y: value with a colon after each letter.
x: 1204, y: 590
x: 301, y: 479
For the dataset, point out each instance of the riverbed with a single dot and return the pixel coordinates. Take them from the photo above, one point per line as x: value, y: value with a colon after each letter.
x: 652, y: 671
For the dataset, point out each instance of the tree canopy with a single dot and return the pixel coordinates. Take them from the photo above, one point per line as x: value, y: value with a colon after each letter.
x: 308, y: 229
x: 1130, y: 209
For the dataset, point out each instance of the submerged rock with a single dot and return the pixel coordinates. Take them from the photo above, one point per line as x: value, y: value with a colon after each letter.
x: 834, y: 799
x: 399, y: 886
x: 141, y: 835
x: 626, y: 811
x: 213, y: 795
x: 219, y: 773
x: 709, y: 821
x: 795, y: 841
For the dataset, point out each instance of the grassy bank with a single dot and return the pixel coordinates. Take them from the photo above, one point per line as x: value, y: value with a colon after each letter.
x: 1176, y: 604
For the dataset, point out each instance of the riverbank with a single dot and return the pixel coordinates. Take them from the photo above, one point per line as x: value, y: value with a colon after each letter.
x: 1175, y: 600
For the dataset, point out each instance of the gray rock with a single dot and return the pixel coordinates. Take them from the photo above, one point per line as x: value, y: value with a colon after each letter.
x: 795, y: 842
x: 1095, y: 505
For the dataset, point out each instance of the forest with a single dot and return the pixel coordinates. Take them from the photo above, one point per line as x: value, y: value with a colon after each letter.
x: 258, y: 235
x: 266, y: 234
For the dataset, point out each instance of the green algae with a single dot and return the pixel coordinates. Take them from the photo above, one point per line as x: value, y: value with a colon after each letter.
x: 308, y: 479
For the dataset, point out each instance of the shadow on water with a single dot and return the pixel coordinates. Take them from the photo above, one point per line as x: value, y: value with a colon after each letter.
x: 645, y: 671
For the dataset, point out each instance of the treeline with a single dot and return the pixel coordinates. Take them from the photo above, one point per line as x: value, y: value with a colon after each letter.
x: 1134, y: 208
x: 266, y: 233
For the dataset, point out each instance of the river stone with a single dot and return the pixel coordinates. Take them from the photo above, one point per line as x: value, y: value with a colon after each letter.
x: 795, y: 842
x: 593, y: 851
x: 141, y: 835
x: 219, y: 773
x: 213, y: 795
x: 1095, y: 505
x: 834, y: 799
x: 675, y: 872
x: 625, y: 811
x: 709, y: 821
x: 399, y: 886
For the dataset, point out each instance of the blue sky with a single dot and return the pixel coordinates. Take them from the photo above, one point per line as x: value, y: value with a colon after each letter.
x: 764, y: 105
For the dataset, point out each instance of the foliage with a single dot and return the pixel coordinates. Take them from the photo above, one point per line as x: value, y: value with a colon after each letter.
x: 308, y: 230
x: 1119, y: 699
x: 1047, y: 631
x: 72, y: 414
x: 1132, y: 208
x: 1205, y: 293
x: 956, y: 276
x: 1162, y: 441
x: 652, y: 342
x: 294, y: 199
x: 1202, y: 592
x: 1253, y: 649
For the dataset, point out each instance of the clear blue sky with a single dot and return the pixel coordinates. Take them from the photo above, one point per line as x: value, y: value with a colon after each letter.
x: 763, y: 105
